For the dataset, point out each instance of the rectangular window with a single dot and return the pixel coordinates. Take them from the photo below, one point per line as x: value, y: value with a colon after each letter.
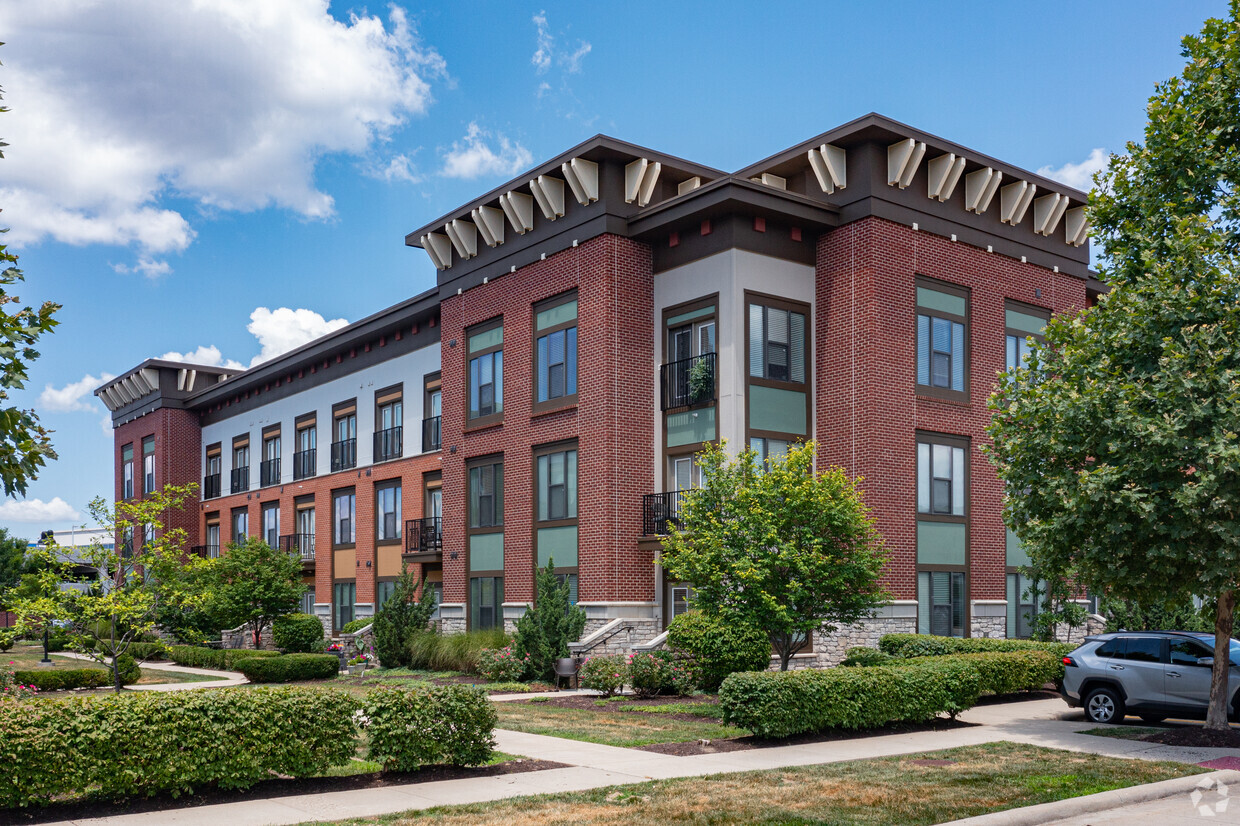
x: 148, y: 536
x: 307, y: 601
x: 148, y: 465
x: 127, y: 472
x: 213, y: 539
x: 383, y: 592
x: 1022, y: 605
x: 344, y: 436
x: 486, y: 598
x: 389, y: 424
x: 344, y: 598
x: 486, y: 371
x: 269, y: 470
x: 387, y: 511
x: 305, y: 455
x: 555, y: 534
x: 432, y: 431
x: 941, y: 603
x: 240, y: 524
x: 241, y: 465
x: 768, y: 450
x: 271, y: 524
x: 942, y: 327
x: 486, y: 495
x: 776, y: 344
x: 941, y: 481
x: 305, y: 528
x: 211, y: 479
x: 557, y: 485
x: 555, y: 344
x: 1022, y: 323
x: 344, y: 518
x: 687, y: 377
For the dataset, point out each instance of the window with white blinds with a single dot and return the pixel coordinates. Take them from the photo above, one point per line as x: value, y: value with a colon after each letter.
x: 776, y: 344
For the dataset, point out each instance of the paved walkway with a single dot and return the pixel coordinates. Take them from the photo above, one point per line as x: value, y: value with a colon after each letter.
x: 1041, y: 722
x: 226, y: 678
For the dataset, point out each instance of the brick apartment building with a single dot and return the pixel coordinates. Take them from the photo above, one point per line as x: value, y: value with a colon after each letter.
x: 595, y: 323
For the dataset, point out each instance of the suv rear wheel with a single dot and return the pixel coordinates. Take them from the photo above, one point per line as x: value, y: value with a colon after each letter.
x: 1104, y: 705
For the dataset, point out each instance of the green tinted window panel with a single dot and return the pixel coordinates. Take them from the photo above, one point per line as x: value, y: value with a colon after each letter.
x: 1016, y: 554
x: 558, y: 544
x: 940, y: 543
x: 487, y: 338
x: 779, y: 411
x: 691, y: 426
x: 943, y: 302
x: 677, y: 320
x: 486, y: 552
x: 558, y: 314
x: 1033, y: 325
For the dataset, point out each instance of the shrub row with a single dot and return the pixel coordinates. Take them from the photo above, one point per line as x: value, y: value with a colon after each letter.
x: 148, y: 650
x: 781, y: 704
x: 195, y: 656
x: 289, y: 667
x: 353, y: 626
x: 928, y: 645
x: 62, y: 679
x: 425, y: 725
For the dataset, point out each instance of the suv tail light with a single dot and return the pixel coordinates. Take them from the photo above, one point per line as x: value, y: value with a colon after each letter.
x: 1069, y: 661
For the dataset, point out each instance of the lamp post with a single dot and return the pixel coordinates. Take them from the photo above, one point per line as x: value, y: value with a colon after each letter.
x: 47, y: 660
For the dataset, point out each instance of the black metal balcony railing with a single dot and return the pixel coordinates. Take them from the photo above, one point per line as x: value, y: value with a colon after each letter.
x: 211, y: 486
x: 344, y: 455
x: 240, y: 479
x: 688, y: 381
x: 388, y: 444
x: 269, y: 472
x: 432, y: 435
x: 205, y: 551
x: 423, y: 535
x: 298, y: 543
x: 660, y: 510
x: 304, y: 464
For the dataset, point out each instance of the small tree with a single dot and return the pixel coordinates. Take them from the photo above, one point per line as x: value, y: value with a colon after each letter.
x: 780, y: 549
x: 255, y: 583
x: 1054, y: 598
x: 551, y: 623
x: 400, y: 618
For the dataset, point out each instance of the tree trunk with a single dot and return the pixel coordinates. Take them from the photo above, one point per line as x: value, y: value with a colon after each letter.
x: 1216, y: 718
x: 116, y: 671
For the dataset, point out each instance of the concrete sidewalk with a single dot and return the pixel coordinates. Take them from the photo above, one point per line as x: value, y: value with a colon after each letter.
x: 226, y: 678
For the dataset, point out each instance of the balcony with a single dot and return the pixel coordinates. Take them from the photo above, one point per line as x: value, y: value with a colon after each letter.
x: 424, y: 536
x: 432, y: 435
x: 687, y: 382
x: 211, y: 486
x: 304, y: 464
x: 299, y: 543
x: 206, y: 551
x: 240, y: 479
x: 388, y: 444
x: 269, y: 472
x: 344, y: 455
x: 660, y: 510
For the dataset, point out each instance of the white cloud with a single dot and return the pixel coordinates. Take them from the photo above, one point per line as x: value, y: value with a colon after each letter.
x: 546, y: 54
x: 546, y: 44
x: 1079, y: 175
x: 206, y: 355
x: 283, y: 329
x: 572, y: 63
x: 75, y: 396
x: 474, y: 157
x: 105, y: 424
x: 119, y: 105
x: 149, y: 267
x: 36, y: 510
x: 397, y: 168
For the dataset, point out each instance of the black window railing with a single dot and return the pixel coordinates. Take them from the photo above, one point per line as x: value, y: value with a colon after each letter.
x: 304, y: 464
x: 432, y: 435
x: 388, y: 444
x: 206, y: 551
x: 688, y: 381
x: 240, y: 479
x: 211, y: 486
x: 269, y: 472
x: 344, y: 455
x: 660, y: 510
x: 423, y: 535
x: 298, y: 543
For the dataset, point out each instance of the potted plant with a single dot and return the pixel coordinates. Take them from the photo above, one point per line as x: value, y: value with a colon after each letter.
x: 337, y: 649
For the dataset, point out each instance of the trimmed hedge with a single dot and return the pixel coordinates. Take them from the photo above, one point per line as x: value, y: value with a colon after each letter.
x: 862, y: 655
x: 929, y: 645
x: 145, y: 743
x: 781, y: 704
x: 63, y: 679
x: 297, y: 633
x: 289, y: 667
x: 422, y: 725
x: 148, y: 650
x: 353, y: 626
x: 222, y: 659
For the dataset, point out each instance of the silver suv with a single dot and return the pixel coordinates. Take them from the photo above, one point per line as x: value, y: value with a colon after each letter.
x: 1152, y: 674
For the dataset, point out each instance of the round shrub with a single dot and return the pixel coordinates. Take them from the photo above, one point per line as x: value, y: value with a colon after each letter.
x: 605, y: 673
x: 718, y: 648
x: 6, y: 640
x: 298, y: 633
x: 353, y: 626
x: 862, y: 656
x: 501, y: 665
x: 128, y: 669
x: 659, y: 672
x: 289, y: 667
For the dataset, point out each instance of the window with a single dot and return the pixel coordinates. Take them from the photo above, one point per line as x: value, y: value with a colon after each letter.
x: 389, y: 421
x: 1022, y: 322
x: 307, y: 601
x: 486, y: 598
x: 432, y: 434
x: 486, y: 371
x: 1022, y: 597
x: 486, y: 495
x: 126, y: 541
x: 305, y: 528
x: 555, y: 532
x: 1110, y: 648
x: 148, y: 465
x: 682, y: 599
x: 688, y: 375
x: 555, y: 329
x: 383, y: 592
x: 127, y: 472
x: 211, y: 481
x: 1187, y: 652
x: 305, y: 455
x: 1143, y: 650
x: 942, y: 533
x: 776, y: 344
x: 685, y: 473
x: 768, y: 449
x: 387, y: 511
x: 344, y: 517
x: 241, y: 465
x: 269, y: 470
x: 240, y: 524
x: 344, y: 599
x: 941, y: 603
x: 940, y: 479
x: 557, y: 485
x: 148, y: 536
x: 213, y: 538
x: 942, y: 359
x: 271, y: 524
x: 344, y: 436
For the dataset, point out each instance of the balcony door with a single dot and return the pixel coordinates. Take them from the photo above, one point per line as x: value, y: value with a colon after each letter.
x: 690, y: 340
x: 305, y: 531
x: 685, y: 473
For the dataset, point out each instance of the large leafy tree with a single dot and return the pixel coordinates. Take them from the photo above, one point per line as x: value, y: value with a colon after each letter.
x: 255, y: 583
x: 780, y: 548
x: 12, y: 559
x: 1120, y: 444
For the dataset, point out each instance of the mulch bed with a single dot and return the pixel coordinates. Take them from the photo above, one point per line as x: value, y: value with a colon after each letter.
x: 276, y: 787
x: 751, y: 742
x: 1193, y: 736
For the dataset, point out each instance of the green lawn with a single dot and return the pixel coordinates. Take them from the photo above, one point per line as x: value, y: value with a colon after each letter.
x: 25, y: 657
x: 977, y: 780
x: 612, y: 728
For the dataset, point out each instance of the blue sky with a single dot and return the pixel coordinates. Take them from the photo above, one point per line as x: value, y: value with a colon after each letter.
x: 173, y: 170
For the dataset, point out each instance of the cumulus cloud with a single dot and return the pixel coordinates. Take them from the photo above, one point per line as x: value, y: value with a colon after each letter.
x: 397, y: 168
x: 207, y: 355
x: 1079, y: 175
x: 75, y: 396
x: 120, y: 106
x: 475, y: 156
x: 36, y: 510
x: 283, y: 329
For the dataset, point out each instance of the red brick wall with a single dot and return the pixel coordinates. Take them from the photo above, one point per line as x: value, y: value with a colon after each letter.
x: 612, y: 420
x: 178, y: 445
x: 867, y: 410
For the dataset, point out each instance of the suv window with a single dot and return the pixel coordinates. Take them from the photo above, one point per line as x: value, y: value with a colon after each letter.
x: 1186, y: 652
x: 1144, y: 649
x: 1110, y: 648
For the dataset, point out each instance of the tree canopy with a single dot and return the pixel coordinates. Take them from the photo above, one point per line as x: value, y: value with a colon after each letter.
x: 255, y: 583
